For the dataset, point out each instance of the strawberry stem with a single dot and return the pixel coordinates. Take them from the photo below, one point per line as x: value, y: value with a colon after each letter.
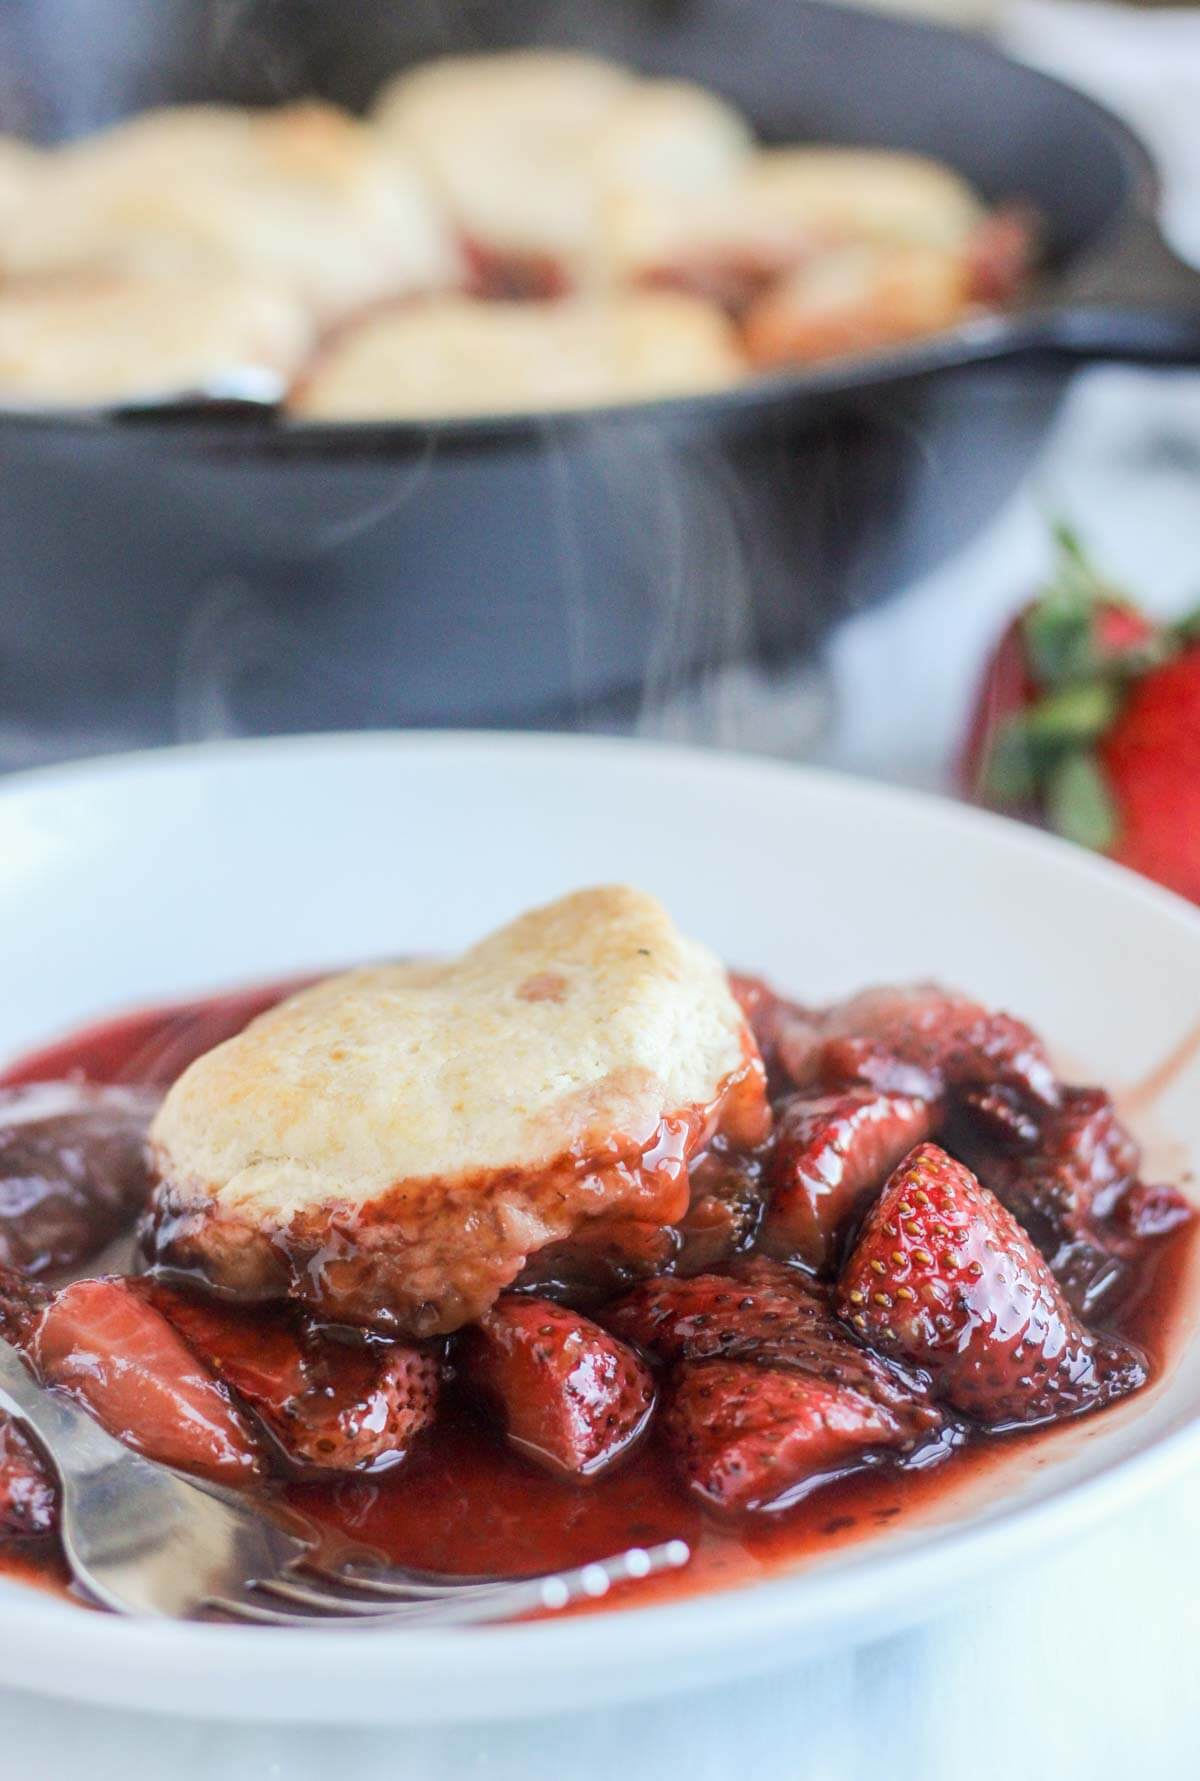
x: 1078, y: 802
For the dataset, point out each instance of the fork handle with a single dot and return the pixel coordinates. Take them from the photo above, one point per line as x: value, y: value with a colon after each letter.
x: 68, y: 1433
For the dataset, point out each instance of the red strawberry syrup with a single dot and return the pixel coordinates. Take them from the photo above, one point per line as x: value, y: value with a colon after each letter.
x: 466, y: 1503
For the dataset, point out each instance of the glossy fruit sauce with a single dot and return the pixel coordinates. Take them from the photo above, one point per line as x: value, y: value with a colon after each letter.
x: 465, y: 1503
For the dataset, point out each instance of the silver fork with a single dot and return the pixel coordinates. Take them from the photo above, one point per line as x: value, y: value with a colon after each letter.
x: 140, y: 1539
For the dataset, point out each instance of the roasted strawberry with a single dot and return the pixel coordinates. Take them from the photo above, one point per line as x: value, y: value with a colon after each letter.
x: 831, y: 1153
x: 748, y: 1317
x: 918, y: 1040
x: 747, y: 1437
x: 28, y: 1494
x: 997, y: 1117
x: 1148, y: 1209
x: 724, y: 1212
x: 763, y: 1312
x: 944, y: 1278
x: 768, y: 1394
x: 1076, y: 1190
x: 605, y: 1256
x: 573, y: 1399
x: 1063, y: 1189
x: 72, y: 1170
x: 103, y: 1341
x: 1084, y: 1160
x: 22, y: 1302
x: 335, y: 1401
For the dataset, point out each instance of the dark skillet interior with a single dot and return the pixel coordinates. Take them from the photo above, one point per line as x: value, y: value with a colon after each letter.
x: 191, y: 572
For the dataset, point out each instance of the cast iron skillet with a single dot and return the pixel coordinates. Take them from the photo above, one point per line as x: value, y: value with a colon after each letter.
x: 189, y: 572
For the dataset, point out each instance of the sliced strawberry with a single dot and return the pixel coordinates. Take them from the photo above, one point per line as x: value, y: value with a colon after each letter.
x: 605, y: 1256
x: 103, y: 1341
x: 28, y: 1493
x: 1084, y: 1161
x: 831, y: 1153
x: 920, y: 1040
x: 340, y: 1404
x: 573, y: 1399
x: 1152, y: 1210
x: 22, y: 1302
x: 1062, y: 1189
x: 72, y: 1170
x: 724, y: 1212
x: 768, y: 1393
x: 761, y: 1313
x: 996, y: 1115
x: 747, y: 1437
x: 1077, y: 1192
x: 943, y: 1277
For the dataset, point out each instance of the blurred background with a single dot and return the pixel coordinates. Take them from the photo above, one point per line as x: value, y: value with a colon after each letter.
x: 817, y: 572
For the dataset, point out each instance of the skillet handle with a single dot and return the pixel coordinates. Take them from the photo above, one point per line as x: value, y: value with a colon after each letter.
x: 1132, y: 299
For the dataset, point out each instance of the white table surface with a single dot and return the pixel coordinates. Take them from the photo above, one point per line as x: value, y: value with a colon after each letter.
x: 1083, y: 1667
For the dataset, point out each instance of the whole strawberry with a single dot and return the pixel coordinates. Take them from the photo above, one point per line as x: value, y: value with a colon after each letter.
x: 1150, y: 762
x: 1088, y: 719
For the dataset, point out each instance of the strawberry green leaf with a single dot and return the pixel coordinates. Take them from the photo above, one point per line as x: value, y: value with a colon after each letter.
x: 1075, y: 714
x: 1187, y: 629
x: 1079, y: 804
x: 1075, y: 574
x: 1058, y: 639
x: 1010, y: 771
x: 1080, y: 625
x: 1028, y: 746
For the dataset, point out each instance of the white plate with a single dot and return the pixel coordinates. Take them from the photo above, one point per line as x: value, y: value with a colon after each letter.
x: 143, y: 878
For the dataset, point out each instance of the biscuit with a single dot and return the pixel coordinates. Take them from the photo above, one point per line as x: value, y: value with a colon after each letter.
x: 391, y: 1145
x: 465, y: 356
x: 111, y: 338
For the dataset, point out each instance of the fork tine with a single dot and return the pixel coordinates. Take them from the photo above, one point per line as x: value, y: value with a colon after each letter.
x: 593, y: 1579
x: 503, y: 1601
x: 397, y: 1583
x: 396, y: 1586
x: 259, y: 1614
x: 229, y: 1609
x: 305, y: 1596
